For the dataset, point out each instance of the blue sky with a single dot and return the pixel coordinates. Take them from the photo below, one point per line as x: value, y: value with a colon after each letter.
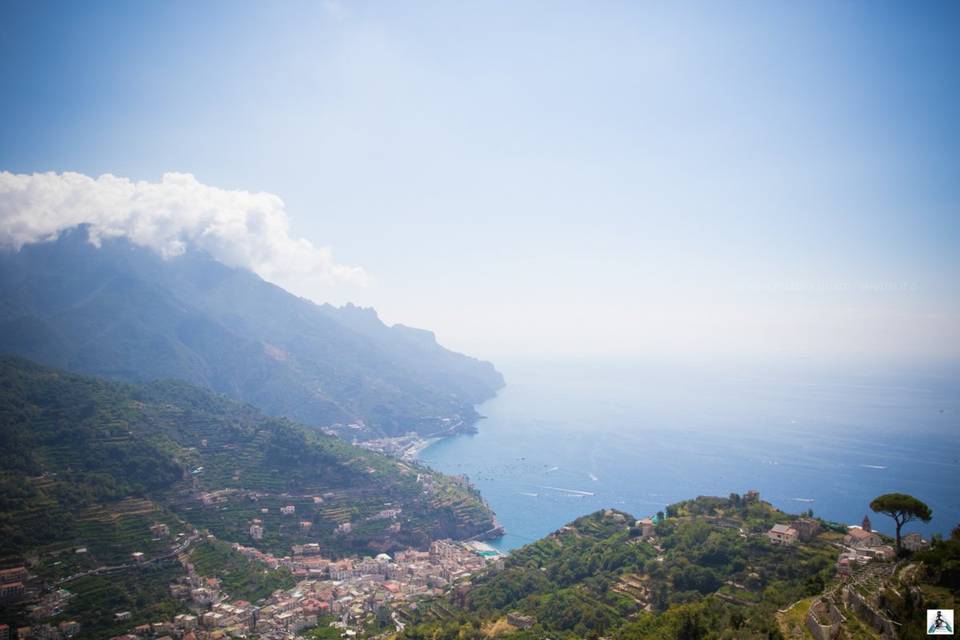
x: 739, y: 178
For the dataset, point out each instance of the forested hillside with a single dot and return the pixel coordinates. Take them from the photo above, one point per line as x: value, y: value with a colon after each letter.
x: 93, y: 463
x: 121, y: 311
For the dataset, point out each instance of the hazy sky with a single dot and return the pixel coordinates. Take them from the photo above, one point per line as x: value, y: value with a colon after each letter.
x: 759, y: 178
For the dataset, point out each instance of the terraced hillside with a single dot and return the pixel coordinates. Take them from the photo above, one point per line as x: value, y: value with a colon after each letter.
x: 705, y: 569
x: 92, y: 465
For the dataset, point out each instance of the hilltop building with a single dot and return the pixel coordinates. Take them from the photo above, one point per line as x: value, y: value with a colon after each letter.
x: 646, y: 527
x: 807, y: 528
x: 860, y: 538
x: 783, y: 534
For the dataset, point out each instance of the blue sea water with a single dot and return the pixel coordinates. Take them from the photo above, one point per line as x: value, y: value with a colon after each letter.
x: 564, y: 439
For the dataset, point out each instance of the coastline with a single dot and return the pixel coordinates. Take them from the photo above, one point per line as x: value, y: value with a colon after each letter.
x: 404, y: 448
x: 413, y: 451
x: 408, y: 448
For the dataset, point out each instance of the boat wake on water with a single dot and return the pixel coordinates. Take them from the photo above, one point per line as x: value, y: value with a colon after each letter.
x: 570, y: 491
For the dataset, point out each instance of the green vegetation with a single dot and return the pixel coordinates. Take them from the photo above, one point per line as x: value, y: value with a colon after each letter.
x: 709, y: 572
x: 941, y: 563
x: 91, y: 466
x: 902, y: 508
x: 793, y: 619
x: 123, y: 312
x: 145, y: 594
x: 323, y: 630
x: 93, y: 463
x: 239, y: 577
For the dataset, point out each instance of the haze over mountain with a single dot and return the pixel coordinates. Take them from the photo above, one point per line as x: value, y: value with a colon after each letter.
x: 704, y: 180
x: 124, y: 312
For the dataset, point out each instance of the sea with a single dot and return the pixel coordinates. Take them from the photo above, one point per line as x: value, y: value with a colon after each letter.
x: 566, y: 438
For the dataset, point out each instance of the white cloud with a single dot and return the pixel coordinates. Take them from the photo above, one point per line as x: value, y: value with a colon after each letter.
x: 239, y: 228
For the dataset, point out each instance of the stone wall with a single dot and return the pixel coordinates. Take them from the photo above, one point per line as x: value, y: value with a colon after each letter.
x: 824, y: 619
x: 869, y: 614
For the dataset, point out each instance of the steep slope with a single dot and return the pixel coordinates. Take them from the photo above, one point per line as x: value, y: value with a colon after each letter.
x: 122, y: 312
x: 90, y: 463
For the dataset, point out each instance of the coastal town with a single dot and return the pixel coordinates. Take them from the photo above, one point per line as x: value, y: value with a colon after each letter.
x: 367, y: 320
x: 350, y: 594
x: 368, y: 596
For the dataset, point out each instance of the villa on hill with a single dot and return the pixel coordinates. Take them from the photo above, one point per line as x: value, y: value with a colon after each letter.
x: 646, y: 526
x: 782, y: 534
x: 807, y: 528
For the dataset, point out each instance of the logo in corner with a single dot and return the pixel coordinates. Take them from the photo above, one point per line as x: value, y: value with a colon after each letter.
x: 939, y: 622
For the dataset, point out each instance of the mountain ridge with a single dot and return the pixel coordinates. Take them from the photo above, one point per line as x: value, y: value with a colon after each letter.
x: 123, y: 312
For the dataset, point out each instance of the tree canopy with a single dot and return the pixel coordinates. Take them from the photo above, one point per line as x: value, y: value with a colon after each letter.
x: 902, y: 508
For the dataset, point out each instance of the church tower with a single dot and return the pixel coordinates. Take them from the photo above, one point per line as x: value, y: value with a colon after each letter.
x: 866, y: 523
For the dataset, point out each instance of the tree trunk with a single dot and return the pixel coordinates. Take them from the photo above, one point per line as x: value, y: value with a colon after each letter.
x: 899, y: 549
